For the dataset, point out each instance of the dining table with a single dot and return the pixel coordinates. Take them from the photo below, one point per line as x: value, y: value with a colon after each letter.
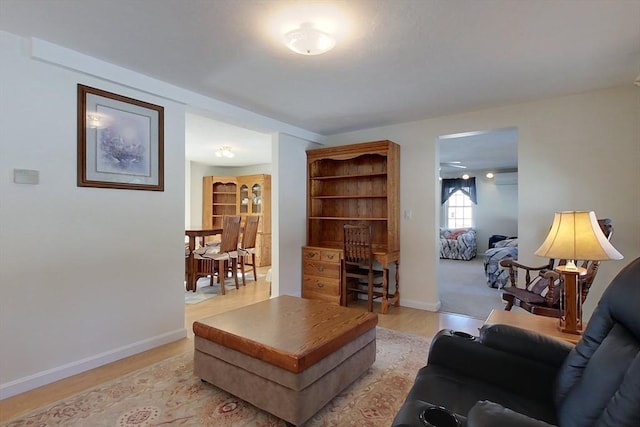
x: 191, y: 272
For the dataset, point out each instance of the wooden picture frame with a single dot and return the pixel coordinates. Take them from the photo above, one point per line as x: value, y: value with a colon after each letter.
x: 120, y: 141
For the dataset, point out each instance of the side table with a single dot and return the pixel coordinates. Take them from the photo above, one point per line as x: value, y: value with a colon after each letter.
x: 532, y: 322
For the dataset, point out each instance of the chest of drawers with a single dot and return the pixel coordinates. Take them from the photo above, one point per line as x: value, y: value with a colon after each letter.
x: 321, y: 273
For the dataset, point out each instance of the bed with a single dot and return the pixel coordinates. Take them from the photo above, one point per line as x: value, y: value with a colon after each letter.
x: 496, y: 276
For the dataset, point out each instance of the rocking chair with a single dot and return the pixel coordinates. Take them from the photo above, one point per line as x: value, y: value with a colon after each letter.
x: 541, y: 294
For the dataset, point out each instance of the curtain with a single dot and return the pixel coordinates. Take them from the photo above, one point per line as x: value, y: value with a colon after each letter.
x: 467, y: 186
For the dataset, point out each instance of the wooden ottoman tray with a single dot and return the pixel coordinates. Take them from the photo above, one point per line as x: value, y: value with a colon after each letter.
x: 288, y: 356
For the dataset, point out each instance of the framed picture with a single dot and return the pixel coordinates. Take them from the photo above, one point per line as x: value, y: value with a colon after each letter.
x: 120, y: 141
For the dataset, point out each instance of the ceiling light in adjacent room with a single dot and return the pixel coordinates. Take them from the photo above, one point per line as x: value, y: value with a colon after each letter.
x: 225, y: 151
x: 308, y: 40
x: 465, y: 176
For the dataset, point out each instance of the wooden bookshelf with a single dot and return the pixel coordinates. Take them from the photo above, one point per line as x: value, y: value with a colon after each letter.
x: 349, y: 184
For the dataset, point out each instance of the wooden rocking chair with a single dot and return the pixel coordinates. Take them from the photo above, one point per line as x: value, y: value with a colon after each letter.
x: 543, y: 285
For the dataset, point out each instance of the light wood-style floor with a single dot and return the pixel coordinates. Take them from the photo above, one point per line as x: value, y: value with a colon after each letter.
x: 418, y: 322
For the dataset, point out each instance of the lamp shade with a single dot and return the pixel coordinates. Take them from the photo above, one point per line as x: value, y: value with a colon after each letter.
x: 576, y: 235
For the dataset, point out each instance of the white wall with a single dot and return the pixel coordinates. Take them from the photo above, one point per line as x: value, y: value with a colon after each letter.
x: 577, y: 152
x: 87, y: 275
x: 187, y: 195
x: 496, y: 212
x: 194, y: 188
x: 253, y: 169
x: 288, y: 228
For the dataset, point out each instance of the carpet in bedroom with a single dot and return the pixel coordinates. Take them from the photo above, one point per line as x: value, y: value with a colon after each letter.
x: 463, y: 289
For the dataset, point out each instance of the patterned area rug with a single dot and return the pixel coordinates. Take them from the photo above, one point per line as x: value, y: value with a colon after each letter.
x: 204, y: 290
x: 168, y: 394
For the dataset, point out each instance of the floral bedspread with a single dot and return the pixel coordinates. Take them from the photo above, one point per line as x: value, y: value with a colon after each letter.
x: 496, y: 276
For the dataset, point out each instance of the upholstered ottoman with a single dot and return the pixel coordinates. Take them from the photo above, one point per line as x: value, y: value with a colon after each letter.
x: 288, y: 356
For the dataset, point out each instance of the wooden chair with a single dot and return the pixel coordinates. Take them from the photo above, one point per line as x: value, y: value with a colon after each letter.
x: 202, y: 266
x: 541, y: 292
x: 223, y: 253
x: 247, y: 247
x: 357, y: 265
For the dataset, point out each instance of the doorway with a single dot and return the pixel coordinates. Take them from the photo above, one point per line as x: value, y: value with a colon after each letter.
x: 462, y: 285
x: 251, y: 158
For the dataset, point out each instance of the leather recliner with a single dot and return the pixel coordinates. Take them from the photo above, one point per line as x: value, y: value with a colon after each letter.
x: 511, y: 377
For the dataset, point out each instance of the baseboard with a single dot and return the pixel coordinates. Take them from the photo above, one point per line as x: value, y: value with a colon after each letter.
x: 39, y: 379
x: 421, y: 305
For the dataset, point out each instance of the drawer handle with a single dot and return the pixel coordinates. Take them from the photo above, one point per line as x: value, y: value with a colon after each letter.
x: 321, y: 285
x: 311, y: 254
x: 320, y: 268
x: 330, y: 256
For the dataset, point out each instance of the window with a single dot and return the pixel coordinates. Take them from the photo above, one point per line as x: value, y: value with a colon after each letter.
x: 459, y: 211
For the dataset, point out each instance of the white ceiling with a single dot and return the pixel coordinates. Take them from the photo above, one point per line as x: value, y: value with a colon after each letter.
x: 395, y: 61
x: 205, y: 136
x: 493, y: 150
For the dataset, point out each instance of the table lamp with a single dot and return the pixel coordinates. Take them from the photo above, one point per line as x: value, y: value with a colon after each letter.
x: 575, y: 235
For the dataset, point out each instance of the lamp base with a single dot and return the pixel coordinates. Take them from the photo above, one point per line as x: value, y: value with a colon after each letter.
x: 571, y: 304
x: 563, y: 328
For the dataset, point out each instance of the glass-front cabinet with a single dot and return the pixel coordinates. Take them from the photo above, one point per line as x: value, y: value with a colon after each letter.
x: 251, y: 195
x: 256, y: 199
x: 244, y: 199
x: 245, y: 195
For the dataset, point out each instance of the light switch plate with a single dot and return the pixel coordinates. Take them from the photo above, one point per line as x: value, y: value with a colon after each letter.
x: 26, y: 176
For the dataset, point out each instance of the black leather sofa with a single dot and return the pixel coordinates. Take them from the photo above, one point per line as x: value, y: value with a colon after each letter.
x: 511, y: 377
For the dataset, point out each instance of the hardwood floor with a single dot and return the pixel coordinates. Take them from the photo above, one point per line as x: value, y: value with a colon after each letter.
x: 409, y: 320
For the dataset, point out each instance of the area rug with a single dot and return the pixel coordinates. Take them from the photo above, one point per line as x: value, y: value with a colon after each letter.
x: 168, y: 394
x: 205, y: 291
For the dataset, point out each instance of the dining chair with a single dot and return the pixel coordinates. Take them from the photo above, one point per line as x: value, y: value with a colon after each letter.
x: 247, y: 247
x: 357, y: 265
x: 202, y: 267
x: 222, y: 254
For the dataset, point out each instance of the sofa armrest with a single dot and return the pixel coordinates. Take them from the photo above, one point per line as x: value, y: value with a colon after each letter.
x: 495, y: 365
x: 490, y: 414
x: 524, y: 343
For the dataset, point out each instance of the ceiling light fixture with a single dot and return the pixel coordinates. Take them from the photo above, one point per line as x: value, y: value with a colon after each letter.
x: 464, y: 134
x: 465, y: 176
x: 489, y: 175
x: 308, y: 40
x: 225, y: 151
